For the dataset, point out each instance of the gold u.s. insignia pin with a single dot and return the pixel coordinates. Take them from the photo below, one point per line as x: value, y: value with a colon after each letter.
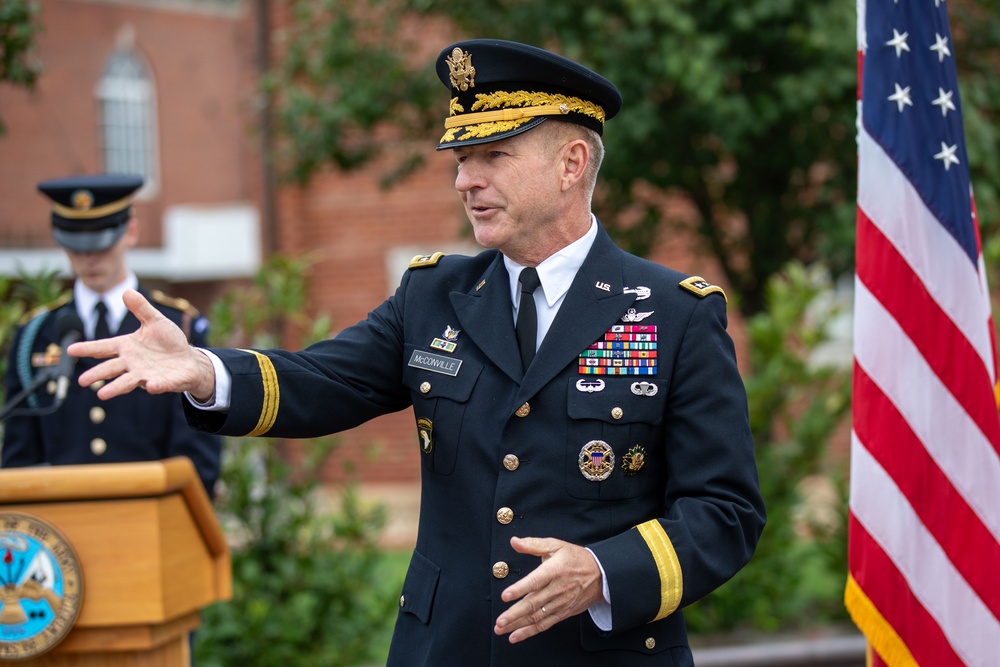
x: 597, y: 460
x: 425, y: 432
x: 633, y: 460
x: 463, y: 74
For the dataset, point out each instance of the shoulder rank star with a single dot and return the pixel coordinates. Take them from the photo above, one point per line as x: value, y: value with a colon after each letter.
x: 701, y: 287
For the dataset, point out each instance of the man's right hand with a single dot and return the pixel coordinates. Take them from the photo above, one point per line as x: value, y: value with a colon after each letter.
x: 157, y: 358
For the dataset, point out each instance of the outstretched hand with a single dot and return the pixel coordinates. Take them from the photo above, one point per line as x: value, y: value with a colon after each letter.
x: 157, y: 357
x: 567, y: 583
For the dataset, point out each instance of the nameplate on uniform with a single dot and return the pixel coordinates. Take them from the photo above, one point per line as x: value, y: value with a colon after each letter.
x: 435, y: 362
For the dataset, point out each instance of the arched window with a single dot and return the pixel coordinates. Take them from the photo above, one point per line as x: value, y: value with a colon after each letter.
x: 126, y: 96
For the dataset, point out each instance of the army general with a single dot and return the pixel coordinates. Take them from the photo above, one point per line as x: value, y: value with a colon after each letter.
x: 587, y: 463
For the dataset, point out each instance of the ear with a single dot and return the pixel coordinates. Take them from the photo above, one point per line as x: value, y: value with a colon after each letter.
x: 576, y: 157
x: 132, y: 232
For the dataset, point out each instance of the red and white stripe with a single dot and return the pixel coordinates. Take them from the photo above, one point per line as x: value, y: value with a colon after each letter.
x: 924, y: 530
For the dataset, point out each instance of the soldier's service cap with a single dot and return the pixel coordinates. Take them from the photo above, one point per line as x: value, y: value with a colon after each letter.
x: 89, y: 213
x: 500, y: 89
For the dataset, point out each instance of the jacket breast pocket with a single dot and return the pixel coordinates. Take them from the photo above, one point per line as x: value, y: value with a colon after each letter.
x: 614, y: 435
x: 440, y: 403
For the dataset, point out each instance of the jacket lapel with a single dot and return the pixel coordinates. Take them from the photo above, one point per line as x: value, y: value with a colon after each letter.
x: 486, y: 316
x: 594, y: 303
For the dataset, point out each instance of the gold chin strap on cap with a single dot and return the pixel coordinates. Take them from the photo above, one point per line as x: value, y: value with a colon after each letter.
x: 91, y: 213
x: 505, y: 115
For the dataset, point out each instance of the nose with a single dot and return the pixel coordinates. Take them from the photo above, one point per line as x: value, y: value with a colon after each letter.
x: 469, y: 176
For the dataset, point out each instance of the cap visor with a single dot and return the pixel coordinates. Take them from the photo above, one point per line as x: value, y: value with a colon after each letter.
x: 96, y: 241
x: 485, y: 133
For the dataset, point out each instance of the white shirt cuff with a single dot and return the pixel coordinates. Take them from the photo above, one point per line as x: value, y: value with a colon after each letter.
x: 223, y: 386
x: 600, y: 611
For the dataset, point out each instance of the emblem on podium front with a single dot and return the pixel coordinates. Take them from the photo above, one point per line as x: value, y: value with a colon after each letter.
x: 41, y: 587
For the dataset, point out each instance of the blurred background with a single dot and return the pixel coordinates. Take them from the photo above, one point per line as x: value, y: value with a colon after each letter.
x: 288, y: 153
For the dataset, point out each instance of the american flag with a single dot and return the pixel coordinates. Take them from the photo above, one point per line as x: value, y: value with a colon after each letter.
x: 924, y: 528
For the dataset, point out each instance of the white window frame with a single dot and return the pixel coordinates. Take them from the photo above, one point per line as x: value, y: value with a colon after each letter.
x: 126, y: 99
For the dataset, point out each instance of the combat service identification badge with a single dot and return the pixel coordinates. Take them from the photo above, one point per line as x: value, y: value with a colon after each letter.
x: 597, y: 460
x: 425, y: 432
x: 41, y: 587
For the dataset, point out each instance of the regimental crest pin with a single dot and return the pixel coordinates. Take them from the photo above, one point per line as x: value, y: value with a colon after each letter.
x: 597, y: 460
x: 633, y: 460
x: 447, y: 340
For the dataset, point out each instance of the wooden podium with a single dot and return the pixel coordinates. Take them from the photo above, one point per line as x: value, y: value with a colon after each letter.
x: 151, y: 554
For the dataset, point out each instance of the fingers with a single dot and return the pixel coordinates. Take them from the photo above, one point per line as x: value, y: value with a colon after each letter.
x: 529, y: 620
x: 114, y: 373
x: 144, y: 311
x: 122, y: 384
x: 536, y: 546
x: 566, y: 583
x: 98, y: 349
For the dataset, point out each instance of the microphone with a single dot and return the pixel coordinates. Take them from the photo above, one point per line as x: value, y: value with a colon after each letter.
x: 69, y: 329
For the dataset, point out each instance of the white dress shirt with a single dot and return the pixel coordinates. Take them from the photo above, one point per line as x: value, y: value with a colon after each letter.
x: 86, y: 298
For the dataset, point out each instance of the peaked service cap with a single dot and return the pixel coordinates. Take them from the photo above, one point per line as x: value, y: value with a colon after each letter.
x: 500, y: 89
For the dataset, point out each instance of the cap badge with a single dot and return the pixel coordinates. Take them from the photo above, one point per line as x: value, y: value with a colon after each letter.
x: 633, y: 461
x: 82, y: 200
x: 597, y: 460
x: 463, y: 74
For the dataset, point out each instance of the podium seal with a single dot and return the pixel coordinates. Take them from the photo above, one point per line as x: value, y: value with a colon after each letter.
x: 41, y: 587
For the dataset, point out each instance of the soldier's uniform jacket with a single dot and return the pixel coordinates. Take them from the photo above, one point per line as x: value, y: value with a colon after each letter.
x: 502, y: 451
x: 85, y: 429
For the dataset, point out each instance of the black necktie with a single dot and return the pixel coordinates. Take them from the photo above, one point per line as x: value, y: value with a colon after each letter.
x: 101, y: 328
x: 527, y: 319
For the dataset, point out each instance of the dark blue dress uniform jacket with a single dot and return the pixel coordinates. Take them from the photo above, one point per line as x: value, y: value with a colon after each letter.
x: 85, y: 429
x: 667, y: 535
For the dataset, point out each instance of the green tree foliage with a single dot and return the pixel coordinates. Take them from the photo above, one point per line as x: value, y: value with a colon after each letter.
x: 745, y: 111
x: 19, y: 28
x: 19, y: 295
x: 797, y: 402
x: 307, y: 583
